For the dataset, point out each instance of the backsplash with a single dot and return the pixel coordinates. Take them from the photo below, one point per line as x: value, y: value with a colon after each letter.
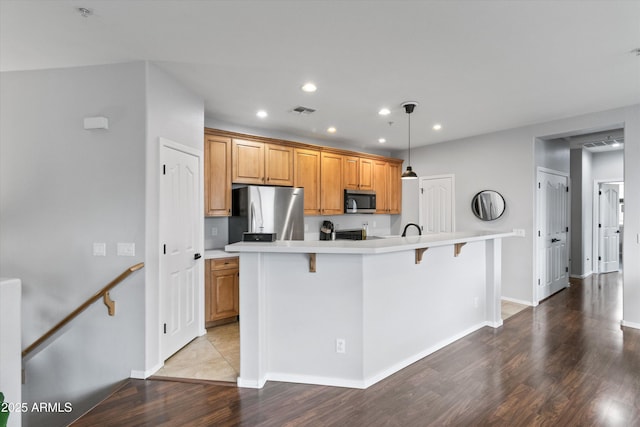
x: 378, y: 225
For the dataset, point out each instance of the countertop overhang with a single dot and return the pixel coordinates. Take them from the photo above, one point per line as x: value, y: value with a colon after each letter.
x: 376, y: 246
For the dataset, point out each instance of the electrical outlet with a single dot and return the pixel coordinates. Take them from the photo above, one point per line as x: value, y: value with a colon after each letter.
x: 214, y: 231
x: 519, y: 232
x: 341, y: 345
x: 476, y: 302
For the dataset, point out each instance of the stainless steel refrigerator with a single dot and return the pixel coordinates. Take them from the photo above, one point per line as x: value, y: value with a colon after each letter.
x: 257, y: 209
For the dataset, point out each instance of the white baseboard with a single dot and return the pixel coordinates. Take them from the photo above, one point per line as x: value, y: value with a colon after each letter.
x: 310, y: 379
x: 367, y: 382
x: 251, y: 383
x: 630, y: 324
x: 412, y: 359
x: 517, y: 301
x: 142, y: 375
x: 581, y: 276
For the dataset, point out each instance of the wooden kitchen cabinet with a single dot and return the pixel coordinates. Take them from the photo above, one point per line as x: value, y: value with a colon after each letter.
x: 248, y: 162
x: 278, y: 165
x: 366, y: 174
x: 332, y: 194
x: 381, y: 185
x: 222, y: 290
x: 217, y: 176
x: 306, y: 170
x: 261, y: 163
x: 388, y: 186
x: 395, y: 187
x: 357, y: 173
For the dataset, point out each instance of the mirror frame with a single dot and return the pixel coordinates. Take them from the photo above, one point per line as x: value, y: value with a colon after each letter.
x: 479, y: 214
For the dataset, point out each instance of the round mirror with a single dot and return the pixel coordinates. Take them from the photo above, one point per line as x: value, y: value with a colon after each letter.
x: 488, y: 205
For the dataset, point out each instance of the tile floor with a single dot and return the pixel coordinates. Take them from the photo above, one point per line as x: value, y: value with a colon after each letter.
x: 510, y: 308
x: 216, y: 355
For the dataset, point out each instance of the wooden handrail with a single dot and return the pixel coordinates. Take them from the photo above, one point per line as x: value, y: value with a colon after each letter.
x: 102, y: 293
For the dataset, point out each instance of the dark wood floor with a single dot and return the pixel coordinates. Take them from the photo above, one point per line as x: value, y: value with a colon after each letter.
x: 566, y: 363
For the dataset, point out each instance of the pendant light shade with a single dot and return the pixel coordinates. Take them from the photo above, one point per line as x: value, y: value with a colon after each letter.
x: 409, y: 173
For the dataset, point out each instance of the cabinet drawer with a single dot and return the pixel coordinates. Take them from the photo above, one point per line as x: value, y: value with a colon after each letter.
x: 222, y: 263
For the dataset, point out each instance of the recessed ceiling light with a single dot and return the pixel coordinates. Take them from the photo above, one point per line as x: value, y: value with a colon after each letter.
x: 437, y: 126
x: 309, y: 87
x: 384, y: 112
x: 262, y: 114
x: 382, y: 140
x: 331, y: 129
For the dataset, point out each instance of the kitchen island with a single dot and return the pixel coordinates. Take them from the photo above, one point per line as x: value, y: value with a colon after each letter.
x: 351, y: 313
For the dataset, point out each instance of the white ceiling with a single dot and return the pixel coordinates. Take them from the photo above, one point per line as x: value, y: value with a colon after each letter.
x: 474, y: 66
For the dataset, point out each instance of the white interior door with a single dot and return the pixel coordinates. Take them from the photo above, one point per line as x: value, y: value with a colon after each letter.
x: 437, y: 211
x: 179, y: 234
x: 609, y: 228
x: 553, y: 214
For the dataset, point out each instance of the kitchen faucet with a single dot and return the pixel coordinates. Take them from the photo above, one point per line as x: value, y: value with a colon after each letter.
x: 404, y: 232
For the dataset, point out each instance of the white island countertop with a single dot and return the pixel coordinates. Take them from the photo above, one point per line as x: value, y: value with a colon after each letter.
x: 373, y: 246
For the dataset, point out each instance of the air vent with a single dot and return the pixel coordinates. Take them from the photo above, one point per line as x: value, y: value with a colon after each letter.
x: 604, y: 142
x: 303, y: 110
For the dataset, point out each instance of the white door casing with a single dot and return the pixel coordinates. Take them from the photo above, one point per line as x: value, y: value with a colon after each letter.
x: 553, y: 216
x: 437, y: 204
x: 180, y: 241
x: 608, y: 228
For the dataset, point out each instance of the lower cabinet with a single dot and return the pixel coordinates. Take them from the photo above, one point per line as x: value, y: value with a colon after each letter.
x: 221, y: 291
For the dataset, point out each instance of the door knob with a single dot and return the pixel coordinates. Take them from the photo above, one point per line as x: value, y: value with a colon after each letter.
x: 197, y: 256
x: 555, y: 240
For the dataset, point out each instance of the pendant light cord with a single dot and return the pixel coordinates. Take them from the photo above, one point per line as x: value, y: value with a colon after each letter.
x: 409, y: 139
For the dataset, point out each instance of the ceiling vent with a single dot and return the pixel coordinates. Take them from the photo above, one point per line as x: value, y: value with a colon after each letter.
x: 604, y: 143
x: 303, y: 110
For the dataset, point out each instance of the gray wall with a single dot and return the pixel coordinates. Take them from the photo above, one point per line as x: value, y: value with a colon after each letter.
x: 608, y: 166
x: 503, y: 162
x: 61, y: 189
x: 506, y: 161
x: 581, y: 212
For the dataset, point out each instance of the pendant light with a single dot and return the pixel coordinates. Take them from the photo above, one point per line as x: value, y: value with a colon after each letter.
x: 409, y: 173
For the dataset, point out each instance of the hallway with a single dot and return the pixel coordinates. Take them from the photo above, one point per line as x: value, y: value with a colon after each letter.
x: 564, y: 362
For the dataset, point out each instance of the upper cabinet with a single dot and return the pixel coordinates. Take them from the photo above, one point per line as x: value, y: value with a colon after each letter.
x: 388, y: 186
x: 217, y: 176
x: 357, y: 173
x: 323, y: 172
x: 332, y: 194
x: 306, y: 171
x: 260, y: 163
x: 278, y: 164
x: 395, y: 187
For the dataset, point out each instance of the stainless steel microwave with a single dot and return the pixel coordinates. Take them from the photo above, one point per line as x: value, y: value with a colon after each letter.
x: 359, y: 201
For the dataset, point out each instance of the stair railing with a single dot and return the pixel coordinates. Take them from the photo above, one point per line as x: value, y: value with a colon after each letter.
x: 102, y: 293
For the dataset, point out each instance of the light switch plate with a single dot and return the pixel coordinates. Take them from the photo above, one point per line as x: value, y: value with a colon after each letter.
x: 126, y: 249
x: 99, y: 249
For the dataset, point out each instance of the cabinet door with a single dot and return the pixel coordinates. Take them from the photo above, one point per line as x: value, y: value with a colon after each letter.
x: 332, y: 192
x: 278, y: 164
x: 248, y: 162
x: 366, y: 174
x: 224, y: 298
x: 381, y: 184
x: 217, y: 176
x: 395, y: 188
x: 350, y: 172
x: 307, y: 174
